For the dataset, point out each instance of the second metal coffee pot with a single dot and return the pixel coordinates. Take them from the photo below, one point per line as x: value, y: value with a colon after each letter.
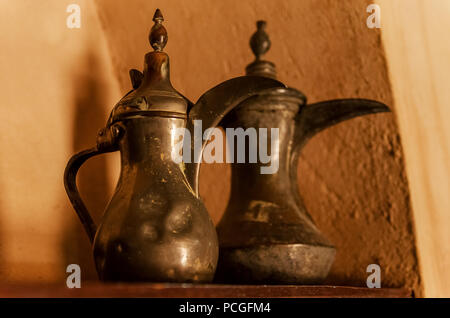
x: 266, y: 234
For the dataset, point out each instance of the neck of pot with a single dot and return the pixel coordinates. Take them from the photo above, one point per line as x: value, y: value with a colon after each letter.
x: 149, y: 140
x: 272, y: 179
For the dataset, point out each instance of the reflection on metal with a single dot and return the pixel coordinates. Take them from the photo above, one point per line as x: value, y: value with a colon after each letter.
x: 266, y: 234
x: 155, y: 227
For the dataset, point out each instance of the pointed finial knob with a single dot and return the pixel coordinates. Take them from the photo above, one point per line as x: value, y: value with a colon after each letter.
x: 158, y: 34
x: 260, y: 42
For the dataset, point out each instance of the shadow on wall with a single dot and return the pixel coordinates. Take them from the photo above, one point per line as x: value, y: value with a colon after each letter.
x: 89, y: 116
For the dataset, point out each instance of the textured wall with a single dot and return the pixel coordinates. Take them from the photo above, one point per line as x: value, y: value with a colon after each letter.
x: 351, y: 176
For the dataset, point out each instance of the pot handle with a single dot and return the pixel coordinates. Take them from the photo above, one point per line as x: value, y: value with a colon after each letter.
x: 214, y: 105
x: 106, y: 142
x: 70, y: 178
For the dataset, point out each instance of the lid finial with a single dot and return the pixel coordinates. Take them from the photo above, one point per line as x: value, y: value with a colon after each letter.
x: 158, y: 34
x: 260, y: 44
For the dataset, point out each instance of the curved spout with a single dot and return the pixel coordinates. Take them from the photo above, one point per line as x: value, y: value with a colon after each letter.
x: 212, y: 107
x: 314, y: 118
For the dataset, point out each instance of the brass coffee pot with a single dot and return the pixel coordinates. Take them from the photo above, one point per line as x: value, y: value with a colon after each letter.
x: 156, y: 228
x: 266, y: 234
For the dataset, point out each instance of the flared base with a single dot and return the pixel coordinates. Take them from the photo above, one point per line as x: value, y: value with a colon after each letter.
x: 275, y: 264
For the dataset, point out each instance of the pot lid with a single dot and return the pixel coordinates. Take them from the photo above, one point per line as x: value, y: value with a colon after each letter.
x: 260, y: 44
x: 153, y: 93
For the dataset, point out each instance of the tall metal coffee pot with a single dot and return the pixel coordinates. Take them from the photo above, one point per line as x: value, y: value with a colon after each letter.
x: 156, y: 228
x: 266, y: 234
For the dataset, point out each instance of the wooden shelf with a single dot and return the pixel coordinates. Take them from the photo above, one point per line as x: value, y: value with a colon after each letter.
x: 197, y: 291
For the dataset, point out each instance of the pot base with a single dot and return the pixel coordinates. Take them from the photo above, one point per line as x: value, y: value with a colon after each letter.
x: 275, y: 264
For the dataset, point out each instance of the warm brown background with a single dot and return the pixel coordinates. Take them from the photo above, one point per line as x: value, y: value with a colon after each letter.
x: 352, y: 176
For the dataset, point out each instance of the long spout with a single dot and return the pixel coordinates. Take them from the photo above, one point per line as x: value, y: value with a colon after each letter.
x: 314, y: 118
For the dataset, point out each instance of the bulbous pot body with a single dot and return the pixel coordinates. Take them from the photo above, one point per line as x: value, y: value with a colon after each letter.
x: 154, y: 228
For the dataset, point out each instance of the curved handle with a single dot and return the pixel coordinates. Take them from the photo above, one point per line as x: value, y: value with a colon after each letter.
x: 212, y: 107
x: 70, y: 183
x: 107, y: 139
x: 316, y: 117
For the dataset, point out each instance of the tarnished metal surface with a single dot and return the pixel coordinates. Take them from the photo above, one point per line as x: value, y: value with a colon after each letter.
x: 155, y: 227
x: 266, y: 234
x: 215, y: 104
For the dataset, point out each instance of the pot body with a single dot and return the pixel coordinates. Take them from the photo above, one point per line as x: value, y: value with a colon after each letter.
x: 155, y: 228
x: 266, y: 234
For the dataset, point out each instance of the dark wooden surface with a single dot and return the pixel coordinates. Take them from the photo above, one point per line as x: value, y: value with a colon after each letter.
x: 196, y: 291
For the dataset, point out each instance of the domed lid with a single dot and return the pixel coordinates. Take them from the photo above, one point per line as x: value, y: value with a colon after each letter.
x: 152, y: 92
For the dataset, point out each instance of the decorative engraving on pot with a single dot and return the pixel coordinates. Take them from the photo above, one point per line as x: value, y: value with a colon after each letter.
x: 258, y: 211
